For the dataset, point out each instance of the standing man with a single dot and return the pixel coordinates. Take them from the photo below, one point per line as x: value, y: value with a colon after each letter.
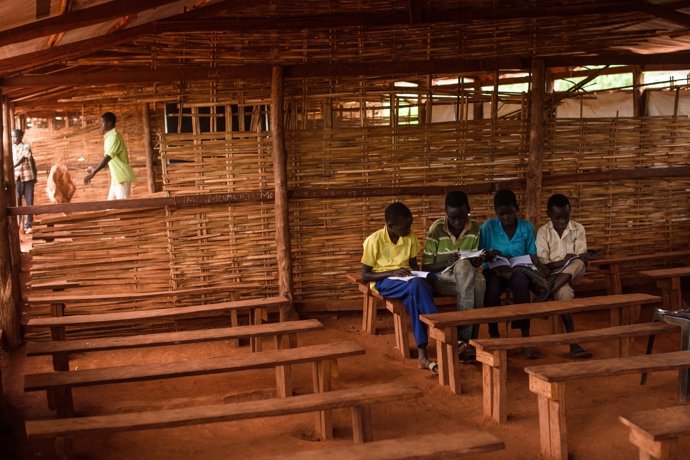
x: 24, y: 174
x: 121, y: 173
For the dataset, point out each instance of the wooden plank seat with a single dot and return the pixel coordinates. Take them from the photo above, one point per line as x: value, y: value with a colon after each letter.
x: 320, y: 355
x: 287, y: 329
x: 668, y: 280
x: 548, y: 382
x: 401, y: 320
x: 358, y: 400
x: 417, y: 447
x: 443, y: 326
x: 655, y: 432
x: 493, y: 354
x: 610, y: 266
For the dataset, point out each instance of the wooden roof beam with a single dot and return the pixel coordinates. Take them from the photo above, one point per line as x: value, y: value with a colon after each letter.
x: 77, y: 19
x: 139, y: 76
x: 414, y: 15
x: 668, y: 13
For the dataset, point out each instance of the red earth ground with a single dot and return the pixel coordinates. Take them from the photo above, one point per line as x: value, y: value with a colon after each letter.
x: 594, y: 431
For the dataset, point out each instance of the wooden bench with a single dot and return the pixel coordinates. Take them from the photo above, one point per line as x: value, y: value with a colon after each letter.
x: 358, y: 400
x: 493, y: 354
x: 655, y: 432
x: 443, y: 326
x: 401, y: 320
x: 548, y: 382
x: 416, y: 447
x: 610, y: 266
x: 320, y: 355
x: 287, y: 329
x: 668, y: 280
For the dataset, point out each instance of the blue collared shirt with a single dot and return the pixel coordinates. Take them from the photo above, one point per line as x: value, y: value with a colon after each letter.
x: 492, y: 236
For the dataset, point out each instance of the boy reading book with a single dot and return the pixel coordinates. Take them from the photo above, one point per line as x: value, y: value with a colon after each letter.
x: 392, y: 252
x: 450, y: 244
x: 510, y: 237
x: 562, y: 247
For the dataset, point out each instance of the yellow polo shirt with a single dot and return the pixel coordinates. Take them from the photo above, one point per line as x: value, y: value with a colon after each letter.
x: 383, y: 255
x: 114, y: 147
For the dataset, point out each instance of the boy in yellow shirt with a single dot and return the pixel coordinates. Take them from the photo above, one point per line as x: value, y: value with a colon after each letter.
x: 392, y: 252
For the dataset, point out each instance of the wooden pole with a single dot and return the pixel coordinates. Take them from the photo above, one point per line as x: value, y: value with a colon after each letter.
x: 478, y: 106
x: 281, y: 189
x: 9, y: 315
x: 150, y: 177
x: 536, y: 142
x: 638, y: 82
x: 11, y: 186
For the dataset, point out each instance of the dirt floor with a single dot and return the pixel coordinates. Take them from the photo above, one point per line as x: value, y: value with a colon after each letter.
x: 594, y: 431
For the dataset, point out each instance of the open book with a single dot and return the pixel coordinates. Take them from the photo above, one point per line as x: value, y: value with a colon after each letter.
x: 523, y: 261
x: 559, y: 270
x: 415, y: 274
x: 463, y: 255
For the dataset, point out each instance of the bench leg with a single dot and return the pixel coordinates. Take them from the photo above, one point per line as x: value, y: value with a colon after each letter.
x: 401, y: 326
x: 64, y: 447
x: 494, y: 379
x: 321, y: 375
x: 256, y: 316
x: 284, y: 373
x: 447, y: 357
x: 234, y: 322
x: 369, y: 314
x: 651, y: 449
x: 361, y: 424
x: 553, y: 435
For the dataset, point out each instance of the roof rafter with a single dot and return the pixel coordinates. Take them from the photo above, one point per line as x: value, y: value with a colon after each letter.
x: 77, y: 19
x: 668, y: 13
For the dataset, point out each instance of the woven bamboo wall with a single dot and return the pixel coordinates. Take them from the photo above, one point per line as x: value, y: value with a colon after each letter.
x: 223, y: 245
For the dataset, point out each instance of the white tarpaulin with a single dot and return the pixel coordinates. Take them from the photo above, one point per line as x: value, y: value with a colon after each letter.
x: 660, y: 103
x: 441, y: 113
x: 604, y: 105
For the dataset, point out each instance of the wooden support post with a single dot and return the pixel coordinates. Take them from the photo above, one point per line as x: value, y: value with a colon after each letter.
x: 321, y: 375
x: 361, y: 424
x: 15, y: 244
x: 9, y: 295
x: 650, y: 449
x: 638, y: 82
x: 284, y: 373
x: 400, y: 326
x: 536, y: 142
x: 553, y: 435
x: 478, y: 105
x: 150, y: 176
x: 494, y: 381
x: 284, y: 254
x: 369, y: 314
x: 255, y: 317
x: 447, y: 357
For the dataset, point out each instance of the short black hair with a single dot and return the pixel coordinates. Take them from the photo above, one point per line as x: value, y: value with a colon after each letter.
x: 109, y: 116
x: 557, y: 200
x: 457, y: 199
x: 396, y: 212
x: 18, y: 132
x: 505, y: 198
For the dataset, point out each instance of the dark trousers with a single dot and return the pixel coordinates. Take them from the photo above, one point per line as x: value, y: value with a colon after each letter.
x: 26, y: 189
x: 519, y: 285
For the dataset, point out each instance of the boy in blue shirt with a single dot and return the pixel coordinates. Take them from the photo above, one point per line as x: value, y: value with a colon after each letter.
x: 509, y: 236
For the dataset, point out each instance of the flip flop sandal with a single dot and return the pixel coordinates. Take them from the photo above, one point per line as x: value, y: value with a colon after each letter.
x: 432, y: 366
x: 580, y: 354
x: 531, y: 353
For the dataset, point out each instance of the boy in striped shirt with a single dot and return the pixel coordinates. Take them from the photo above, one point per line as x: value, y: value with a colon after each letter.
x: 448, y: 236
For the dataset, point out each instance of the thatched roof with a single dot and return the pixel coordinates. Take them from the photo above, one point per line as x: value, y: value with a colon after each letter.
x: 161, y: 42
